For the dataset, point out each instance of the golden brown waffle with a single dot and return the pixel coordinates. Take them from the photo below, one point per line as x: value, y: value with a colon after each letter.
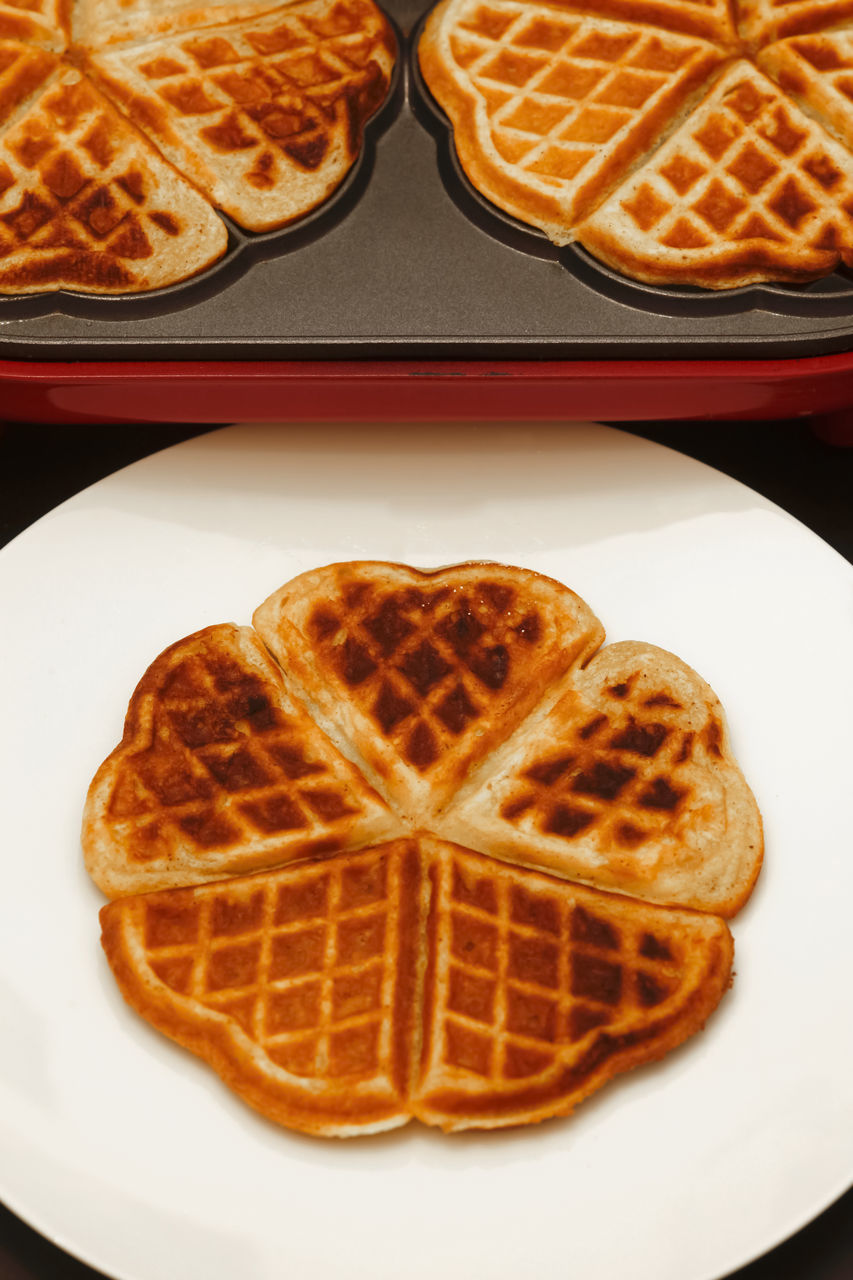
x: 549, y: 106
x: 817, y: 71
x: 39, y: 21
x: 673, y: 160
x: 219, y: 772
x: 296, y: 985
x: 266, y: 116
x: 416, y: 979
x: 420, y: 674
x: 538, y: 992
x: 750, y: 188
x: 629, y: 784
x: 252, y: 108
x: 85, y: 202
x: 98, y: 23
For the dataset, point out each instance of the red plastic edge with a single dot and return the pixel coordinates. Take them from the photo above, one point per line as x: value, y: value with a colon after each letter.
x: 384, y: 391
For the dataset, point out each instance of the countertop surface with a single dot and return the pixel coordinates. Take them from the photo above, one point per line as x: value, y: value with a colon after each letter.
x: 786, y: 461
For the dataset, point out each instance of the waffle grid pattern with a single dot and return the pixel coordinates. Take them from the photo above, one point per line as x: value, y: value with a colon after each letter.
x: 268, y: 92
x: 749, y: 187
x: 39, y: 20
x: 624, y: 777
x: 307, y: 968
x: 425, y: 666
x: 561, y: 90
x: 528, y: 975
x: 227, y: 768
x: 260, y: 119
x: 77, y: 183
x: 746, y: 169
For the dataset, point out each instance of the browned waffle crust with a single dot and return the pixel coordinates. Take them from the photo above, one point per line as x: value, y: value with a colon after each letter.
x: 628, y: 783
x: 253, y: 109
x: 679, y: 143
x: 219, y: 771
x: 473, y: 701
x: 416, y: 979
x: 421, y: 674
x: 468, y: 718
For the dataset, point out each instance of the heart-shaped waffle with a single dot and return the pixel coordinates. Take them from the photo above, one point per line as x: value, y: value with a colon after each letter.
x: 679, y: 143
x: 362, y: 987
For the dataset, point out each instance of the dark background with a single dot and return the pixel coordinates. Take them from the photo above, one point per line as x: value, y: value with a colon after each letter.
x: 786, y: 461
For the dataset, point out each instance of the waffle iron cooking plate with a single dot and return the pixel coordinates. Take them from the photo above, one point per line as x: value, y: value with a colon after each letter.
x: 408, y: 262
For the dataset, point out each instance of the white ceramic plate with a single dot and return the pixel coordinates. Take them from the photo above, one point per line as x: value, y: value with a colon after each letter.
x: 129, y: 1152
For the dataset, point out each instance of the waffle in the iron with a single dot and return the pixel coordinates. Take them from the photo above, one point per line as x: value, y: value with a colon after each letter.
x: 628, y: 784
x: 817, y: 72
x: 714, y: 178
x: 86, y: 202
x: 219, y: 772
x: 749, y: 188
x: 264, y: 116
x: 416, y: 979
x: 257, y: 109
x: 550, y: 107
x: 420, y: 674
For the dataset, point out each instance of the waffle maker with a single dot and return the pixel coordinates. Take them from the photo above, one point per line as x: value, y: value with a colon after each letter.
x: 408, y: 296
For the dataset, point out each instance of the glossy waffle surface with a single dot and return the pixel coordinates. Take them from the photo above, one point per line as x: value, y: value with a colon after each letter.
x: 672, y: 159
x: 414, y: 980
x: 264, y: 117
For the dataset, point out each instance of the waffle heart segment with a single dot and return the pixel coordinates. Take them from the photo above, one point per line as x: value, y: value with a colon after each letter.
x: 414, y: 980
x: 220, y: 772
x: 628, y: 783
x: 750, y: 188
x: 418, y: 675
x: 296, y: 986
x: 265, y: 116
x: 86, y: 202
